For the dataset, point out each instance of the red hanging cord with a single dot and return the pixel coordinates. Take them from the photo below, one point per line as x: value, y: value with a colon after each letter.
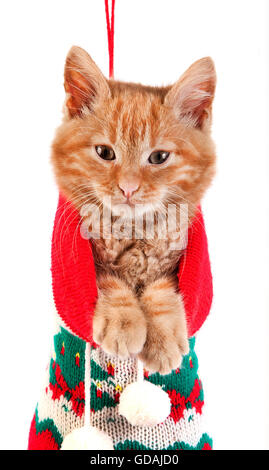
x: 110, y: 35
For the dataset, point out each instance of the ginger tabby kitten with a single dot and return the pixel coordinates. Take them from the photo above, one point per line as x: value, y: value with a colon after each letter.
x: 143, y: 147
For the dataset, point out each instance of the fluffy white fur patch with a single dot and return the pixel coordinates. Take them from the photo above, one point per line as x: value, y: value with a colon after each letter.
x: 144, y: 404
x: 87, y: 438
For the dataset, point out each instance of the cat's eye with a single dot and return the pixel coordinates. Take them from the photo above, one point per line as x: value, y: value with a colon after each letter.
x: 158, y: 157
x: 105, y: 152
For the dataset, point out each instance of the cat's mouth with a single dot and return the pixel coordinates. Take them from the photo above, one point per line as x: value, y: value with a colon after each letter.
x: 129, y: 203
x: 131, y: 210
x: 126, y: 204
x: 126, y: 208
x: 129, y: 207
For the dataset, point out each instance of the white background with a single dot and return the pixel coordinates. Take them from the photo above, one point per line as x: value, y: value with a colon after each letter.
x: 155, y: 42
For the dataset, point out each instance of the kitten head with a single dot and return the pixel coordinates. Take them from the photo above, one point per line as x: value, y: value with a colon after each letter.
x: 137, y: 146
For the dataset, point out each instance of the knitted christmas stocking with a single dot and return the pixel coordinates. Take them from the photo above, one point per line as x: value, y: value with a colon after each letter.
x: 61, y: 407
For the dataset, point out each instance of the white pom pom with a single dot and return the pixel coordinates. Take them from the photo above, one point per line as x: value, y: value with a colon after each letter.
x: 144, y: 404
x: 87, y: 438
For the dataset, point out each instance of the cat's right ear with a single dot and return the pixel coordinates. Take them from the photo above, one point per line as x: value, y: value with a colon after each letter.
x: 192, y: 95
x: 84, y: 83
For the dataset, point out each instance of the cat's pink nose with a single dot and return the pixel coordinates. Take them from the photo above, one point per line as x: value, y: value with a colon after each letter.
x: 128, y: 187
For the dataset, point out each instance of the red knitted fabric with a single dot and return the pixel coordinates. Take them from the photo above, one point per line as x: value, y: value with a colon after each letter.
x: 74, y: 281
x: 41, y: 439
x: 73, y: 273
x: 195, y: 278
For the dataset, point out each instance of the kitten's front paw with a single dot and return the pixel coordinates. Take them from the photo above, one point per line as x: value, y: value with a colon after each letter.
x: 167, y: 335
x: 119, y: 326
x: 164, y: 347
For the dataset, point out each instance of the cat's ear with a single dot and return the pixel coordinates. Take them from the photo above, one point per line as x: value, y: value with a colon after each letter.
x: 192, y: 95
x: 84, y: 83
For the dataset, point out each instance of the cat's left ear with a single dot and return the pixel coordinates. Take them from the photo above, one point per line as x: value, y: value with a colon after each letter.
x: 84, y: 82
x: 192, y: 95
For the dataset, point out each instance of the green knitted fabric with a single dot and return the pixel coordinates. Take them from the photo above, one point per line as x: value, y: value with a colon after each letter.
x: 61, y: 407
